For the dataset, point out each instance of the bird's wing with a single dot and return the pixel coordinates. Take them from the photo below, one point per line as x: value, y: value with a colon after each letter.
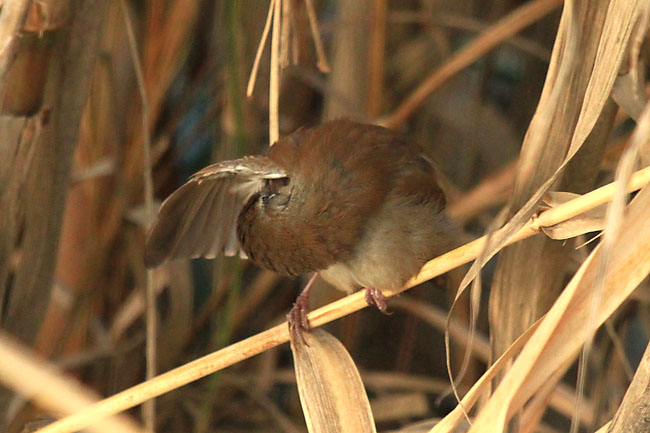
x: 200, y: 218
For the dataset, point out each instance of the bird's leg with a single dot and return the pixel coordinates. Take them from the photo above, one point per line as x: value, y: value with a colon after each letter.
x: 376, y: 298
x: 297, y: 317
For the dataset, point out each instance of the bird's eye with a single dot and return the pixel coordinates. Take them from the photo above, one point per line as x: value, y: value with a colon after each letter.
x: 266, y: 198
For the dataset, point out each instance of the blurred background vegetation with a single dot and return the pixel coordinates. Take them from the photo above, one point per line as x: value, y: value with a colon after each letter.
x: 72, y: 277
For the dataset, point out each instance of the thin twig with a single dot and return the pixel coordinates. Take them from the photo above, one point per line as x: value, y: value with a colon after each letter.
x: 484, y: 43
x: 376, y: 59
x: 148, y: 409
x: 562, y: 398
x: 274, y: 82
x: 279, y: 334
x: 323, y: 64
x: 285, y: 33
x: 489, y: 193
x: 531, y: 47
x: 260, y: 49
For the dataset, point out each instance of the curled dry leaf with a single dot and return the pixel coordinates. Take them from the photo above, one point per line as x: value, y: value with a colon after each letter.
x: 613, y: 35
x: 331, y: 392
x: 279, y: 334
x: 454, y: 419
x: 589, y: 48
x: 563, y: 330
x: 590, y: 221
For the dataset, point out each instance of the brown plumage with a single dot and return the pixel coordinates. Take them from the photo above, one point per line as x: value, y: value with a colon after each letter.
x: 357, y: 203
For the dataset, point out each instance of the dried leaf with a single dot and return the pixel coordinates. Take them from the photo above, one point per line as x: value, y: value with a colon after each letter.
x: 331, y: 392
x: 590, y: 221
x: 452, y: 421
x: 562, y: 331
x: 567, y: 70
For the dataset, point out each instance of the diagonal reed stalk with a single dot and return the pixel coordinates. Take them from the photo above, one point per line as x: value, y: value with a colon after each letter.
x: 280, y: 334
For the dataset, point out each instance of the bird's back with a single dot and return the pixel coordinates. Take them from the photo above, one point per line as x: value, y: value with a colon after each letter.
x: 364, y: 191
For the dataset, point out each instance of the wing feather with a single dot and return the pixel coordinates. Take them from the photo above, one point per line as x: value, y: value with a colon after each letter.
x: 200, y: 218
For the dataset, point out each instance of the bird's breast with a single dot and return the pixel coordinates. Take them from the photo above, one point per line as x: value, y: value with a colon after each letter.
x: 289, y: 243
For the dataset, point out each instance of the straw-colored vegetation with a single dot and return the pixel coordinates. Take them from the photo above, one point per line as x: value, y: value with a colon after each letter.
x: 537, y: 114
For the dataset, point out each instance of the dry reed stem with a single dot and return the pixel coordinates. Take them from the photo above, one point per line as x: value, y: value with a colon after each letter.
x: 376, y: 56
x: 566, y: 325
x: 149, y: 408
x: 21, y: 371
x: 490, y: 192
x: 285, y: 33
x: 463, y: 22
x: 376, y: 380
x: 280, y: 334
x: 459, y: 413
x: 323, y: 64
x: 562, y: 398
x: 531, y: 415
x: 260, y: 48
x: 437, y: 318
x: 274, y: 82
x: 504, y: 28
x: 132, y: 308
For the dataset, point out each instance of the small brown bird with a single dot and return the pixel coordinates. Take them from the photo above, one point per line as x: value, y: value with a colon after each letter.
x: 359, y: 204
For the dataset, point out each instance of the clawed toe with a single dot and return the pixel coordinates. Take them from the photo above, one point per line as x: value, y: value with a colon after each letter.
x: 298, y: 321
x: 297, y: 317
x: 376, y: 298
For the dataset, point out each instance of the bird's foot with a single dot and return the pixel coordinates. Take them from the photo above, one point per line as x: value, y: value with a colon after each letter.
x: 376, y: 298
x: 297, y: 317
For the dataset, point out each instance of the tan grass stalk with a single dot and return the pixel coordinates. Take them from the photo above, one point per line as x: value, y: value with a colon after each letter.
x: 274, y: 84
x: 566, y: 326
x: 323, y: 64
x: 285, y: 33
x: 459, y: 413
x: 21, y: 371
x: 562, y: 399
x: 376, y: 56
x: 260, y: 48
x: 469, y: 24
x: 149, y: 408
x: 280, y: 334
x: 503, y: 29
x: 614, y: 36
x: 491, y: 192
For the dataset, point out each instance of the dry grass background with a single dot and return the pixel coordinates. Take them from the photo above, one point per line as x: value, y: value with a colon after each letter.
x: 516, y: 100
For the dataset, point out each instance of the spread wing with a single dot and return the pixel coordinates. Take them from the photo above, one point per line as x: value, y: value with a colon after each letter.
x: 200, y: 218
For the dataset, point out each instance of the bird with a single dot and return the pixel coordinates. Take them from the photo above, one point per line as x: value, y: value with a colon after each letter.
x: 358, y: 204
